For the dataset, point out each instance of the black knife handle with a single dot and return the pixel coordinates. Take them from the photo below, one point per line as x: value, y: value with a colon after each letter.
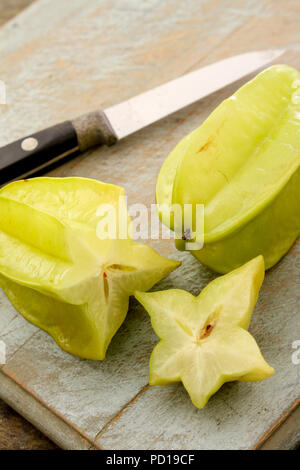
x: 41, y: 150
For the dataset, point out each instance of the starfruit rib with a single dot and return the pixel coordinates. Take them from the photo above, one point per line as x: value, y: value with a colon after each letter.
x: 202, y: 168
x: 244, y: 153
x: 74, y: 201
x: 44, y: 254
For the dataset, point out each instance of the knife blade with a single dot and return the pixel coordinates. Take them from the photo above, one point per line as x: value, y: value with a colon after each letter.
x: 42, y: 150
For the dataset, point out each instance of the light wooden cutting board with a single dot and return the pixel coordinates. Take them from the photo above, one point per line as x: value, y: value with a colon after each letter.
x: 60, y: 59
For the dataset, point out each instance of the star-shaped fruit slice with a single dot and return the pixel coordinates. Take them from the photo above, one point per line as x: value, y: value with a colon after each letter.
x: 204, y: 340
x: 56, y: 270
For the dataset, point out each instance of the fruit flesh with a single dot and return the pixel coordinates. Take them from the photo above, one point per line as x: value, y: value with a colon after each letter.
x: 238, y: 163
x: 58, y: 273
x: 204, y: 340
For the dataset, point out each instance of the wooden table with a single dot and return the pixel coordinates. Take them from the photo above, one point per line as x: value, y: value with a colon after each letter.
x: 61, y: 57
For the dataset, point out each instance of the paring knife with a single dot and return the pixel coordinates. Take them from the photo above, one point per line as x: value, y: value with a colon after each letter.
x: 36, y: 152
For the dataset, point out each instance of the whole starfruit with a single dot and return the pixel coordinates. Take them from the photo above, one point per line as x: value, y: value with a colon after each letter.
x: 56, y: 270
x: 242, y: 164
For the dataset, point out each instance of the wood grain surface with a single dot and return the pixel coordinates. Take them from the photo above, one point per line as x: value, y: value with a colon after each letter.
x: 18, y: 434
x: 60, y: 59
x: 15, y: 432
x: 10, y: 8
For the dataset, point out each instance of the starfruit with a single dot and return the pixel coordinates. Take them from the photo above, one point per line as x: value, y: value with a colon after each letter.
x: 204, y: 340
x: 242, y: 164
x: 58, y: 273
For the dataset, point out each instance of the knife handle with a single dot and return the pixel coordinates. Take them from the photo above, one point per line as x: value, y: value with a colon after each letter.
x: 44, y: 149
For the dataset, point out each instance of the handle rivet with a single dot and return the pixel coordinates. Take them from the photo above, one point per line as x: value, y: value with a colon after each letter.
x: 29, y: 144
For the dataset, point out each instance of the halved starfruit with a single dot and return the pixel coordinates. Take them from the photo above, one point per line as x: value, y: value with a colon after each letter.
x: 204, y: 340
x: 242, y: 164
x: 58, y: 272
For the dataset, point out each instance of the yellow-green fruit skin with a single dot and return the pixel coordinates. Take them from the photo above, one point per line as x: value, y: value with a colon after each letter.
x: 66, y: 323
x: 58, y: 273
x: 271, y: 233
x: 243, y: 165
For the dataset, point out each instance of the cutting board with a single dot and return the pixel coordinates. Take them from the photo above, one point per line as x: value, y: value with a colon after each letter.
x: 60, y: 59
